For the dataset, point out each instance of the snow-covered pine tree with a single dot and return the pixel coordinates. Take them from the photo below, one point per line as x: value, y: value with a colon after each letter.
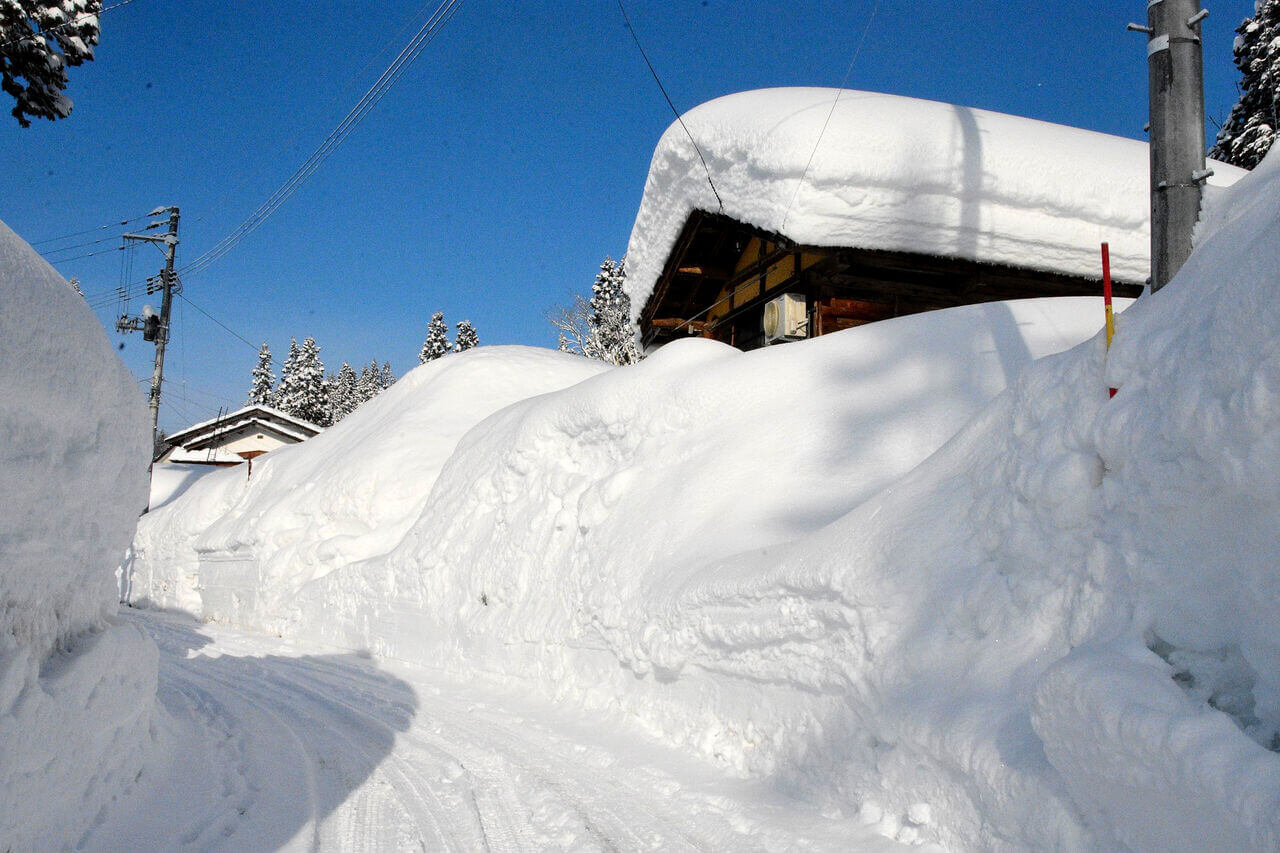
x: 31, y: 69
x: 262, y: 388
x: 466, y: 338
x: 287, y: 395
x: 368, y: 385
x: 612, y: 338
x: 437, y: 342
x: 385, y: 377
x: 312, y: 394
x: 1254, y: 122
x: 343, y: 393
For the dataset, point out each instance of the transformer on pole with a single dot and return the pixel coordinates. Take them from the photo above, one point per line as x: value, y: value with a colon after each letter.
x: 155, y: 328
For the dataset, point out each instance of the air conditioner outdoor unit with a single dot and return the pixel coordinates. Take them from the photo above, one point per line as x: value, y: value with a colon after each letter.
x: 785, y: 319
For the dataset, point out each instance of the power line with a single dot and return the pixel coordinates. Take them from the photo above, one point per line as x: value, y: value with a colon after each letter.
x: 858, y: 50
x: 86, y: 255
x: 68, y: 248
x: 225, y: 327
x: 679, y: 117
x: 425, y: 34
x: 90, y: 230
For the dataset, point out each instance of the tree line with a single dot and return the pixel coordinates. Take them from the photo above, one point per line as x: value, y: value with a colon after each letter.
x: 306, y: 391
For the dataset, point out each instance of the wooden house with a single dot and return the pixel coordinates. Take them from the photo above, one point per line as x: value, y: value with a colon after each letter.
x: 806, y: 211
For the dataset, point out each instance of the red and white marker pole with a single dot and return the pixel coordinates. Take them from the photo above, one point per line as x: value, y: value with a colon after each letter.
x: 1106, y: 299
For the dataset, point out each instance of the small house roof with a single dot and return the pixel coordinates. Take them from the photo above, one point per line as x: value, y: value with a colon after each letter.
x: 899, y: 174
x: 208, y: 431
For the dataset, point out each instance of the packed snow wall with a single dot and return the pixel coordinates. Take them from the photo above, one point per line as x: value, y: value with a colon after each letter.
x: 76, y: 690
x: 238, y: 548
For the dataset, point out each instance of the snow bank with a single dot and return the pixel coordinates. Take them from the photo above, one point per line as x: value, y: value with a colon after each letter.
x: 75, y: 691
x: 1043, y: 620
x: 170, y: 480
x: 346, y: 495
x: 1060, y: 630
x: 901, y: 174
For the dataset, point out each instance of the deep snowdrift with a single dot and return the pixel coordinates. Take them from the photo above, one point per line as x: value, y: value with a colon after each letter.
x: 901, y: 174
x: 348, y: 494
x: 75, y: 691
x: 557, y: 521
x: 1059, y: 630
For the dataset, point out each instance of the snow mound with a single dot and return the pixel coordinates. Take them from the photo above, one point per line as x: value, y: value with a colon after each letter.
x: 901, y: 174
x: 73, y: 468
x: 1060, y: 631
x: 170, y: 480
x: 1043, y: 620
x: 346, y: 495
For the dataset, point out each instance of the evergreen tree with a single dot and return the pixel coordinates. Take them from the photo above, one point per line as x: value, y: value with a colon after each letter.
x: 288, y: 394
x: 262, y: 389
x: 370, y: 382
x: 31, y: 70
x: 1254, y: 121
x: 344, y: 396
x: 466, y: 338
x: 312, y: 394
x: 385, y: 377
x: 612, y: 337
x: 437, y: 342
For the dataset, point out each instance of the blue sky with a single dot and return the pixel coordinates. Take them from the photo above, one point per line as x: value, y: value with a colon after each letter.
x: 501, y: 168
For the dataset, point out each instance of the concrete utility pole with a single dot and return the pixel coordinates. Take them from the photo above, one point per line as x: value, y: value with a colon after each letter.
x: 1176, y: 80
x: 156, y: 327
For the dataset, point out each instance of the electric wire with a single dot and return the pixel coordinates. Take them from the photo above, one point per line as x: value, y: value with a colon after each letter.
x: 425, y: 34
x: 224, y: 326
x: 90, y: 230
x: 679, y: 117
x: 86, y: 255
x: 45, y: 254
x: 340, y: 91
x: 858, y: 50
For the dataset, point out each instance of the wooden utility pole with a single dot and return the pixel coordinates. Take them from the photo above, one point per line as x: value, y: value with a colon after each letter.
x: 1176, y: 82
x: 156, y: 327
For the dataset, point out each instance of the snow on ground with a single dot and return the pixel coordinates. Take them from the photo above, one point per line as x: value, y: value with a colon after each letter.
x: 348, y: 494
x: 900, y: 174
x: 752, y: 448
x: 265, y: 744
x: 1053, y: 628
x: 527, y: 545
x: 75, y: 688
x: 170, y: 480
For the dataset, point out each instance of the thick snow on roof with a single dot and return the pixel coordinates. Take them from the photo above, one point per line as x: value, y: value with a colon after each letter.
x: 901, y: 174
x: 301, y: 430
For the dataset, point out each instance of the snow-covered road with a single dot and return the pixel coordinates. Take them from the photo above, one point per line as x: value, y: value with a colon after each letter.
x: 264, y: 744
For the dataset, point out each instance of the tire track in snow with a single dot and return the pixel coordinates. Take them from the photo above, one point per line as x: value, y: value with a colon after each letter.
x: 329, y: 752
